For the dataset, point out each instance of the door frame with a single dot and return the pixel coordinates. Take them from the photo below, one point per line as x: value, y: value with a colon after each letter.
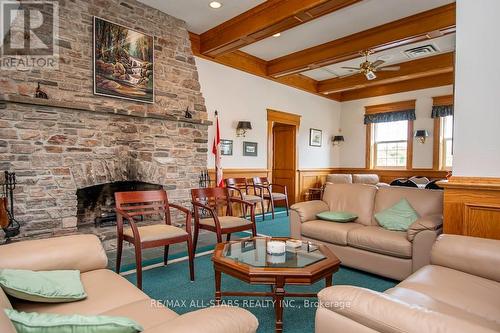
x: 275, y: 116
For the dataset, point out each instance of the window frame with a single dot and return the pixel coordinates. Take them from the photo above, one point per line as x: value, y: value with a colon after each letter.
x: 439, y: 155
x: 442, y: 144
x: 371, y: 155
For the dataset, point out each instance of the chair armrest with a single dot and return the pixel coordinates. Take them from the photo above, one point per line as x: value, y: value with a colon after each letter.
x: 278, y: 185
x: 124, y: 215
x: 307, y: 210
x: 188, y: 215
x: 473, y: 255
x: 262, y: 188
x: 244, y: 202
x: 218, y: 319
x: 385, y: 313
x: 212, y: 211
x: 431, y: 222
x: 78, y: 252
x: 232, y: 188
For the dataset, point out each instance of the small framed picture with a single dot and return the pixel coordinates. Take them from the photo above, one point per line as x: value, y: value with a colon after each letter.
x: 226, y: 147
x: 249, y: 148
x: 315, y: 137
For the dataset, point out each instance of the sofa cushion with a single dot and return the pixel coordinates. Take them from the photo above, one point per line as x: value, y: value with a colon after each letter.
x: 339, y: 178
x: 473, y: 294
x: 380, y: 240
x: 330, y: 232
x: 414, y: 297
x: 105, y: 290
x: 425, y: 202
x: 43, y: 286
x: 341, y: 217
x: 50, y: 322
x: 355, y: 198
x: 369, y: 178
x: 397, y: 218
x: 149, y: 313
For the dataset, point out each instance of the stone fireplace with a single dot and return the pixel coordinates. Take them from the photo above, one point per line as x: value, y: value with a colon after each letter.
x: 76, y: 140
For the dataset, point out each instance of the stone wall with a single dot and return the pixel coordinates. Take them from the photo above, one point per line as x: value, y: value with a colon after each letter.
x: 77, y: 139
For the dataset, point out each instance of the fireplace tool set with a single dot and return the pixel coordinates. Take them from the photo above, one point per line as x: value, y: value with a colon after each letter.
x: 7, y: 220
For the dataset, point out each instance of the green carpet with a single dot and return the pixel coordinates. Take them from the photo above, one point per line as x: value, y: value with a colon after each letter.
x: 171, y: 285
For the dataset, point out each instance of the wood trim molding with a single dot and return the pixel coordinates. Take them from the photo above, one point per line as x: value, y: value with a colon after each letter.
x: 476, y: 183
x: 397, y: 87
x: 438, y: 64
x: 442, y: 100
x: 368, y: 146
x: 436, y: 145
x: 283, y: 117
x: 409, y: 146
x: 390, y: 107
x: 263, y: 21
x: 401, y: 32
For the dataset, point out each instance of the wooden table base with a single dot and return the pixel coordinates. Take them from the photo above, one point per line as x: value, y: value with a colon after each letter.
x: 277, y: 292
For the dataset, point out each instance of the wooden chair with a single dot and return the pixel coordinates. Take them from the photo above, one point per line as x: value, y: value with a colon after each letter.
x: 263, y: 187
x: 131, y: 205
x: 207, y: 202
x: 240, y: 186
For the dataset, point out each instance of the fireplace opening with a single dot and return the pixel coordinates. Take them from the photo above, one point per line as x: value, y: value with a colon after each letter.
x: 96, y: 204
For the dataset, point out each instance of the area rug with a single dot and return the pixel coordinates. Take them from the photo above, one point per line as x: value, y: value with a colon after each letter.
x: 171, y: 286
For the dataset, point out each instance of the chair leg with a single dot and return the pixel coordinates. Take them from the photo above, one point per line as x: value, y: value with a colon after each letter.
x: 244, y: 211
x: 191, y: 258
x: 219, y: 237
x: 165, y: 255
x: 195, y: 236
x: 138, y: 264
x: 287, y: 207
x: 272, y: 206
x: 263, y: 210
x: 228, y: 237
x: 254, y: 229
x: 119, y: 249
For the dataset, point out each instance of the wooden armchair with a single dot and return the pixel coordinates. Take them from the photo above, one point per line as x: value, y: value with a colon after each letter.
x: 263, y: 187
x: 132, y: 205
x: 207, y: 202
x: 241, y: 186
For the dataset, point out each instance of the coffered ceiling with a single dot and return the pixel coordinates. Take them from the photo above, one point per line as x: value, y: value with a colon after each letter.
x: 319, y: 37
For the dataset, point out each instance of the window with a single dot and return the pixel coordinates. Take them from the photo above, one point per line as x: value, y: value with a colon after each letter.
x: 446, y: 142
x: 390, y: 144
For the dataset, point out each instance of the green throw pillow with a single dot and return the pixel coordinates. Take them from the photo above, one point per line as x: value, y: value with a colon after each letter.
x: 399, y: 217
x: 43, y: 286
x: 337, y: 216
x: 49, y: 323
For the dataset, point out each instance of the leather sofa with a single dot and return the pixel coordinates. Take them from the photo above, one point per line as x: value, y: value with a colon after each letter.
x: 107, y: 292
x: 459, y: 292
x: 363, y: 244
x: 347, y: 178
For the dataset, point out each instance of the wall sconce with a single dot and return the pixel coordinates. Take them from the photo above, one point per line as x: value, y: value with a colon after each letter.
x: 338, y: 140
x: 421, y: 135
x: 242, y: 128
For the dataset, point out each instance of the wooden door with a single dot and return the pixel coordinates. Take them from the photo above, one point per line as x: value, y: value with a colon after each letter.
x: 284, y: 150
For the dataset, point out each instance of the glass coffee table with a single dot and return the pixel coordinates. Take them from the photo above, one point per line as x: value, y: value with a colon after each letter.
x: 248, y: 260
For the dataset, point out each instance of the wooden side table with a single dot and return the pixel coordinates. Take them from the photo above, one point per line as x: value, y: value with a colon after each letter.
x: 315, y: 193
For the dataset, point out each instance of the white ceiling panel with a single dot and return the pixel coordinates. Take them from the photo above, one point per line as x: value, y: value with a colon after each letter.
x: 393, y: 56
x: 358, y: 17
x: 197, y: 13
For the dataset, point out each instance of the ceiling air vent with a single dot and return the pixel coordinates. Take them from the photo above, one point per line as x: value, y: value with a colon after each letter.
x: 420, y: 51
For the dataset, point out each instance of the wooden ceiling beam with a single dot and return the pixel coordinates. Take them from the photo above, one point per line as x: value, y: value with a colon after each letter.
x: 438, y: 64
x: 256, y: 66
x: 411, y: 29
x: 398, y: 87
x: 264, y: 20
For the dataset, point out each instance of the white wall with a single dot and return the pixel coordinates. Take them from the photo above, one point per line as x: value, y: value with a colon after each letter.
x: 477, y: 86
x: 241, y: 96
x: 353, y: 150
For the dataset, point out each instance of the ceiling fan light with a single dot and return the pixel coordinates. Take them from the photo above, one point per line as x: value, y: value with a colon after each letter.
x: 215, y: 4
x: 370, y: 75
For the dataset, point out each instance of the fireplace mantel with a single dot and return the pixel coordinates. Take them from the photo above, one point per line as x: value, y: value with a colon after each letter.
x: 18, y: 99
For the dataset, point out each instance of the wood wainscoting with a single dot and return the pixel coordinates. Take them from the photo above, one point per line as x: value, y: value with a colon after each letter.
x: 472, y: 206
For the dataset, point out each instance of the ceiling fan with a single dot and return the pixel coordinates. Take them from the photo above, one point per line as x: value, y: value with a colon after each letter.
x: 369, y: 68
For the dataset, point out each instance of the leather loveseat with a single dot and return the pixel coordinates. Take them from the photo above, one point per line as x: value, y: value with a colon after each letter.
x: 459, y: 292
x: 107, y: 292
x: 363, y: 244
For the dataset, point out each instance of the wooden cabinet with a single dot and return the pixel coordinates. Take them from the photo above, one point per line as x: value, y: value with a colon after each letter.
x: 472, y: 207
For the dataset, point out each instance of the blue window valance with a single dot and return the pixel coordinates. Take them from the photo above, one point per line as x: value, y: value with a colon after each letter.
x: 390, y: 116
x: 442, y: 111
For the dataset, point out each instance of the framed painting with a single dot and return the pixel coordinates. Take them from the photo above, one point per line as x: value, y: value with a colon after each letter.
x: 249, y: 148
x: 226, y: 147
x: 315, y: 137
x: 123, y: 62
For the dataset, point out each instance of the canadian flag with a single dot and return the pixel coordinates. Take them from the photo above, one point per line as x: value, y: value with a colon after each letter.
x: 216, y: 151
